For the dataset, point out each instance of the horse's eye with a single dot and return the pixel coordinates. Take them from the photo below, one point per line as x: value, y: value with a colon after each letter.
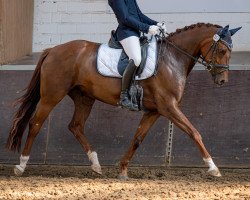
x: 222, y: 51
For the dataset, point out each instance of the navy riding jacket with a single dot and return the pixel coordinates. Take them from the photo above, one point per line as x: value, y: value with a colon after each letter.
x: 130, y: 18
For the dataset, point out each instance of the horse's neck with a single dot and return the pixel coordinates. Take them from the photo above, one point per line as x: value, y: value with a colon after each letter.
x: 190, y: 41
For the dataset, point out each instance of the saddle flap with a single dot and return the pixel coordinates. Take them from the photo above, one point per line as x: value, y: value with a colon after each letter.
x: 108, y: 59
x: 124, y: 60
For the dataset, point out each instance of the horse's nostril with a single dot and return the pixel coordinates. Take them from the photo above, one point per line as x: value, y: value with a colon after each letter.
x: 222, y: 82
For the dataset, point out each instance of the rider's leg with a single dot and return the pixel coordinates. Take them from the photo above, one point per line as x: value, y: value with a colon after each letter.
x: 131, y: 46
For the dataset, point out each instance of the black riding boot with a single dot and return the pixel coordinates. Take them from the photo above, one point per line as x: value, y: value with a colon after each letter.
x: 128, y: 75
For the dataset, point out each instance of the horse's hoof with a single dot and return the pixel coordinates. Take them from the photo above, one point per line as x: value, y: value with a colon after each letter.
x: 215, y: 172
x: 18, y: 171
x: 97, y: 169
x: 122, y: 177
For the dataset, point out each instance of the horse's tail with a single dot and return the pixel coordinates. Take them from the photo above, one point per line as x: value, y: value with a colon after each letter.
x: 28, y: 105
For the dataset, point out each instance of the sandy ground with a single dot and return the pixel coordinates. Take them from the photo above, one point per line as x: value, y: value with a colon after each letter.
x: 69, y: 182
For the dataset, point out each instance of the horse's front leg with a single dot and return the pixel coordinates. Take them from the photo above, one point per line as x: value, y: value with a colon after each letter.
x: 146, y: 122
x: 173, y: 112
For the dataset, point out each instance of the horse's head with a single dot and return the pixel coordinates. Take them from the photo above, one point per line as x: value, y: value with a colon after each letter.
x: 216, y: 53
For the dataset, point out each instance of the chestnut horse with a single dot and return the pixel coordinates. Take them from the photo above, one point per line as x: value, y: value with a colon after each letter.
x: 70, y: 69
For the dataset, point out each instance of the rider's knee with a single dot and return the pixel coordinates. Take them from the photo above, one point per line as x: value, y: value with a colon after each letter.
x: 137, y: 60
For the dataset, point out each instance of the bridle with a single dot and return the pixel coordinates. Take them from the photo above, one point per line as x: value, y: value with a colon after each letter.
x: 211, y: 65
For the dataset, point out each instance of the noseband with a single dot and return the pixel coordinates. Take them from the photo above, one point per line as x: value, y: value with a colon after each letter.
x: 211, y: 64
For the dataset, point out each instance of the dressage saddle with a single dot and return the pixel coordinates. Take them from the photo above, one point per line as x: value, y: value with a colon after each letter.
x: 123, y: 61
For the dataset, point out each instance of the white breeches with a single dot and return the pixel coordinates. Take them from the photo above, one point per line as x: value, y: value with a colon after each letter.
x: 132, y: 48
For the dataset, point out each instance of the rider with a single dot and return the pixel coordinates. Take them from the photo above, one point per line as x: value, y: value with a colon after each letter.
x: 131, y: 23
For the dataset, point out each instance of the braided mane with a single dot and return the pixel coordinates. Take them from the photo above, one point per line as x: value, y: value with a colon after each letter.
x: 186, y: 28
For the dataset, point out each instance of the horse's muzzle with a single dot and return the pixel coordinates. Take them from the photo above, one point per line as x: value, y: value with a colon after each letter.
x: 220, y: 79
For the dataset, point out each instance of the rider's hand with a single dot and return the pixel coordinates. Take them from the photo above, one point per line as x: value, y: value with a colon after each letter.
x: 153, y: 30
x: 162, y: 25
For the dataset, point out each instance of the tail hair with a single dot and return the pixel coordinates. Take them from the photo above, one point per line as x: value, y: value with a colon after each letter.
x: 28, y: 105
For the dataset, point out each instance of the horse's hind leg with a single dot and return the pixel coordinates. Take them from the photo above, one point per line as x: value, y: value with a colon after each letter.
x: 146, y: 123
x: 43, y: 109
x: 83, y: 106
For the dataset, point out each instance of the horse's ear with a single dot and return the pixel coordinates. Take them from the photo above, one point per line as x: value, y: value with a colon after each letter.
x: 233, y: 31
x: 223, y: 31
x: 226, y: 27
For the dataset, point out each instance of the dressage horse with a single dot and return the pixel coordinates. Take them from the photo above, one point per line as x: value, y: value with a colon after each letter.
x: 70, y: 69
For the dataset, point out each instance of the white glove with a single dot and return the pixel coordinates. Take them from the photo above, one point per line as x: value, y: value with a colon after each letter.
x: 162, y: 25
x: 153, y: 30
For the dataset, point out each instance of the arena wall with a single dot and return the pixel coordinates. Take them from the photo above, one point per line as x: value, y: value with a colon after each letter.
x: 221, y: 114
x: 59, y: 21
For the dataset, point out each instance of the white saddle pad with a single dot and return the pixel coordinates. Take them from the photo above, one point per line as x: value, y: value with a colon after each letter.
x: 108, y: 58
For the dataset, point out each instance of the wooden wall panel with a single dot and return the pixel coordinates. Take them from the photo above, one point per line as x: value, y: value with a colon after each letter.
x: 221, y: 114
x: 11, y: 85
x: 16, y: 28
x: 109, y: 131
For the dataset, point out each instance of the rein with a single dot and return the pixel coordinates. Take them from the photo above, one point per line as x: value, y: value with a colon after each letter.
x: 208, y: 65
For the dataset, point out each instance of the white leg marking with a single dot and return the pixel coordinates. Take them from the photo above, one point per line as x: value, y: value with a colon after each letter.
x: 213, y: 170
x: 19, y: 169
x: 96, y: 167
